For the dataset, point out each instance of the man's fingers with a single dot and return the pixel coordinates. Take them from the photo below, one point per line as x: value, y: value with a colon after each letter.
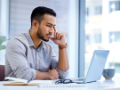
x: 54, y: 74
x: 55, y: 29
x: 51, y: 38
x: 60, y: 35
x: 57, y: 35
x: 55, y: 32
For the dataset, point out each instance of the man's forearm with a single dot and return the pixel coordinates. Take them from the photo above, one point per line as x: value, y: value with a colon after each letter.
x: 42, y: 75
x: 51, y: 74
x: 63, y: 60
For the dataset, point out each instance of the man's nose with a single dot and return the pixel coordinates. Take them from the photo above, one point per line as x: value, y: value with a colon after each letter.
x: 51, y: 30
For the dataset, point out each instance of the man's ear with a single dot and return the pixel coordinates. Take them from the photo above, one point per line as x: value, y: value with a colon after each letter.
x: 35, y: 23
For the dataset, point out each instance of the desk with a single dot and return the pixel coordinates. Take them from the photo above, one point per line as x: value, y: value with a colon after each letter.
x: 102, y: 84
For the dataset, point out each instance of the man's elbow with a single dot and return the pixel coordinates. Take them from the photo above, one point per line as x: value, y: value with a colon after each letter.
x: 64, y: 75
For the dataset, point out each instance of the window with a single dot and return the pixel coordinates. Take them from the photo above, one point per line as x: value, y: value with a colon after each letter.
x: 4, y: 21
x: 114, y: 37
x: 87, y: 11
x: 98, y: 10
x: 114, y: 6
x: 0, y: 16
x: 87, y: 39
x: 97, y: 38
x: 103, y: 31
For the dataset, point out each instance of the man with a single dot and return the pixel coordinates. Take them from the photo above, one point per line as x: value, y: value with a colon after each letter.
x: 28, y: 56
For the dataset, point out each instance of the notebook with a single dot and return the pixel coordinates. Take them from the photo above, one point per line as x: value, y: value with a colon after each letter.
x: 96, y: 67
x: 23, y: 82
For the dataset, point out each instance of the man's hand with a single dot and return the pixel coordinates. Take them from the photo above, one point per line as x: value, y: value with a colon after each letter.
x: 53, y: 74
x: 59, y: 39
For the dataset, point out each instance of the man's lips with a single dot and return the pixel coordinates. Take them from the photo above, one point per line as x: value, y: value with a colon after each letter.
x: 49, y: 35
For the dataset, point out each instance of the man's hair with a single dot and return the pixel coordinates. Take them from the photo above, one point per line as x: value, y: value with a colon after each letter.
x: 38, y: 12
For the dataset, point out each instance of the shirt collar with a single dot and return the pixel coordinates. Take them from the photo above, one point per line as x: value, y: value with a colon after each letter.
x: 30, y: 41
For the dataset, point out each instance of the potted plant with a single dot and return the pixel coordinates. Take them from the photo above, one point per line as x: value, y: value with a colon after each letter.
x: 2, y: 39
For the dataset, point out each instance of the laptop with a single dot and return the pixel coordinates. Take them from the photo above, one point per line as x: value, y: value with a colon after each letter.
x: 96, y: 67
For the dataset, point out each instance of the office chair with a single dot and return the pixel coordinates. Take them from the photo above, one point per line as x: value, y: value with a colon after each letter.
x: 2, y: 72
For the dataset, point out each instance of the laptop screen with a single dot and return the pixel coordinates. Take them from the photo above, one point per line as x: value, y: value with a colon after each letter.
x: 97, y: 65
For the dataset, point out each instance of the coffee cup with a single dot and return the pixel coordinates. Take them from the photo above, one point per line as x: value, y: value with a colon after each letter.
x: 108, y: 73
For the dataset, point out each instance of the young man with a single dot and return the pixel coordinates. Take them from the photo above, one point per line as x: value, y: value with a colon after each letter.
x: 28, y: 56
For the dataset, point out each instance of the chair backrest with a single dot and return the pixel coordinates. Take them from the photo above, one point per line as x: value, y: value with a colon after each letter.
x: 2, y: 72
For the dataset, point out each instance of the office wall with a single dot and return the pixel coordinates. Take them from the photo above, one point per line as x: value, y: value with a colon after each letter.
x: 20, y: 11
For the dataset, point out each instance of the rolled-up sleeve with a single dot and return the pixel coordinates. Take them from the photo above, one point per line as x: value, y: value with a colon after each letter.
x: 62, y: 75
x: 54, y: 65
x: 15, y: 56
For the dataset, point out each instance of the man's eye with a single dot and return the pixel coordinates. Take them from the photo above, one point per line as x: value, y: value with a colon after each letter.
x: 48, y: 25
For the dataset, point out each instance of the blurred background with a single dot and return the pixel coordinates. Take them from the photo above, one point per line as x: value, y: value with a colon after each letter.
x: 100, y: 28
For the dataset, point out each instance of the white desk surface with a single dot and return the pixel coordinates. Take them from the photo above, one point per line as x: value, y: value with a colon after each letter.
x: 102, y: 84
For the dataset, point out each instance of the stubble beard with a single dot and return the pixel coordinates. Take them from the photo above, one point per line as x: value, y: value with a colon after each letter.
x: 39, y: 34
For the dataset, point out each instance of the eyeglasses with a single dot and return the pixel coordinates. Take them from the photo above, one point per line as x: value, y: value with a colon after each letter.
x: 64, y: 81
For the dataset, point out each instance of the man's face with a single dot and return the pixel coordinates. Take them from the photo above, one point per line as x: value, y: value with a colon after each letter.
x: 46, y: 26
